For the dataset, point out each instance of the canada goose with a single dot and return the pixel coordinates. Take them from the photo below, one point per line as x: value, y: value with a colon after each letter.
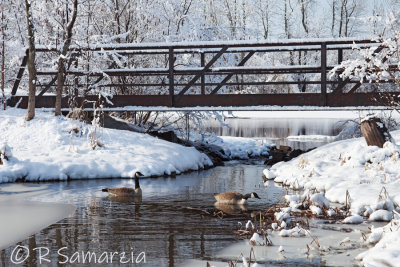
x: 234, y: 197
x: 126, y: 191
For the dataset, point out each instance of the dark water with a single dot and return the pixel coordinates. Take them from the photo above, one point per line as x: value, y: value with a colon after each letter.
x: 276, y: 130
x: 156, y: 225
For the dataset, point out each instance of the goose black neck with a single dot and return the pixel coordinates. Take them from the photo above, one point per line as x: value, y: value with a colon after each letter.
x: 246, y: 196
x: 136, y: 182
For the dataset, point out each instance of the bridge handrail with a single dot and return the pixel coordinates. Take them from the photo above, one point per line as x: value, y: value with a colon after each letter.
x: 217, y: 44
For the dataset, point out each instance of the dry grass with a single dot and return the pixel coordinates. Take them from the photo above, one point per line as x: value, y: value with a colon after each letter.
x: 303, y: 162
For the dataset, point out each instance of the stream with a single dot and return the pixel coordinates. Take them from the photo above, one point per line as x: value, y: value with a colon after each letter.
x: 159, y: 225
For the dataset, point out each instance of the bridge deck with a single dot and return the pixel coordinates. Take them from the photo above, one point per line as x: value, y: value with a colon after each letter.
x: 219, y: 102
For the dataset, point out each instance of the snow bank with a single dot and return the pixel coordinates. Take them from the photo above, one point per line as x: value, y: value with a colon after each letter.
x: 352, y: 131
x: 369, y: 174
x: 354, y: 219
x: 296, y: 231
x: 258, y: 240
x: 366, y: 176
x: 57, y: 148
x: 240, y: 147
x: 319, y: 200
x: 269, y: 175
x: 381, y: 215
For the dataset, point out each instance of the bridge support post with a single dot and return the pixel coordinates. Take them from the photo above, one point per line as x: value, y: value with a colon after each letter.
x: 323, y: 73
x: 340, y: 60
x: 340, y: 56
x: 171, y: 60
x: 203, y: 80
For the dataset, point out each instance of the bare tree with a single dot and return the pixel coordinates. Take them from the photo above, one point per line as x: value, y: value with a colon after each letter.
x: 288, y: 11
x: 263, y: 10
x: 61, y: 60
x: 3, y: 55
x: 304, y: 15
x: 348, y: 10
x: 31, y: 62
x: 333, y: 16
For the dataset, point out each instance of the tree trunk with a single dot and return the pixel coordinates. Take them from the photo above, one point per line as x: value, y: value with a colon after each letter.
x: 3, y: 56
x: 333, y: 17
x: 31, y: 63
x: 375, y: 132
x: 61, y: 59
x: 304, y: 16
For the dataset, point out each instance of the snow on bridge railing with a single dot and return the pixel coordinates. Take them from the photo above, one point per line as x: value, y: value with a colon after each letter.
x: 285, y: 43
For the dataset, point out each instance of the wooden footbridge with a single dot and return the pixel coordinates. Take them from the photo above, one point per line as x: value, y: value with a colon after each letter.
x: 206, y: 74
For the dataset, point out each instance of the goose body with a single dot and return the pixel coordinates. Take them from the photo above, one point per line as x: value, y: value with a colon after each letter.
x: 234, y: 197
x: 230, y: 209
x: 126, y: 191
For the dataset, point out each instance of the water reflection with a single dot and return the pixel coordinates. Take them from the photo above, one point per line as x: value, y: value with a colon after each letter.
x: 157, y: 225
x: 277, y: 130
x: 231, y: 209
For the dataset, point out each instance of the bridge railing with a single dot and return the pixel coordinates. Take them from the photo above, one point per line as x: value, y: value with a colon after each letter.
x: 209, y: 74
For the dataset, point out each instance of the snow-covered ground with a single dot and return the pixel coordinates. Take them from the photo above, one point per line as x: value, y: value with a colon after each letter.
x: 240, y: 147
x: 57, y: 148
x: 367, y: 176
x: 366, y: 172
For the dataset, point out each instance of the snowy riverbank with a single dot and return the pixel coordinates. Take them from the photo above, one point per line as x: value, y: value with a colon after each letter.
x: 57, y: 148
x: 369, y: 174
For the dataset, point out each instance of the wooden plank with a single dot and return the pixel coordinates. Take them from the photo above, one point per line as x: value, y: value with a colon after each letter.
x: 171, y: 60
x: 341, y: 85
x: 227, y: 78
x: 20, y: 73
x: 217, y: 44
x: 206, y: 68
x: 47, y: 87
x: 203, y: 78
x: 355, y: 87
x: 225, y: 100
x: 340, y: 55
x: 323, y: 73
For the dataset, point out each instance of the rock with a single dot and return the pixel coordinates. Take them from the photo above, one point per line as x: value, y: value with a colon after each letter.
x: 115, y: 123
x: 284, y: 153
x: 169, y: 136
x: 295, y: 153
x: 285, y: 148
x: 375, y: 132
x: 275, y: 156
x: 214, y: 152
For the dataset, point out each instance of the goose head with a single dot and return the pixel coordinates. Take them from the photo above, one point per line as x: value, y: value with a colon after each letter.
x: 138, y: 174
x: 254, y: 195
